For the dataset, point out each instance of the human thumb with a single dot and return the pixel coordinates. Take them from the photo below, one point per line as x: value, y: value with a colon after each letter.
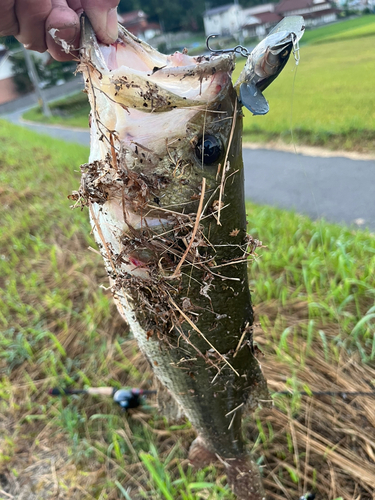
x: 103, y: 17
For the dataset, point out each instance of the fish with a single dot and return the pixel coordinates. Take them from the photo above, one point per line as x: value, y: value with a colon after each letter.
x: 164, y: 186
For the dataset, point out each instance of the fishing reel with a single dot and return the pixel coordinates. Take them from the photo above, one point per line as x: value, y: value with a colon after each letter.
x: 130, y: 398
x: 126, y: 397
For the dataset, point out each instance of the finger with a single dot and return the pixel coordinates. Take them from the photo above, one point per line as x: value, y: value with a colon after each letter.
x: 103, y: 17
x: 31, y: 17
x: 8, y: 20
x: 65, y: 19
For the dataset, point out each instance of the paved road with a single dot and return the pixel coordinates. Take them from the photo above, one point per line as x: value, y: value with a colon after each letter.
x: 340, y: 189
x: 66, y: 134
x: 337, y: 188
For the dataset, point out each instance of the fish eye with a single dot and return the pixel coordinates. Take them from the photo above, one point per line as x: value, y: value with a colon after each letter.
x: 210, y: 148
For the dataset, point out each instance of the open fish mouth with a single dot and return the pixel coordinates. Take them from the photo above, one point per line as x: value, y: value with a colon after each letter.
x: 141, y: 80
x: 138, y: 76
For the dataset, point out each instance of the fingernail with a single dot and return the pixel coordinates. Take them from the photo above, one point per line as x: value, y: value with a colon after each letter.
x: 112, y: 24
x: 67, y: 34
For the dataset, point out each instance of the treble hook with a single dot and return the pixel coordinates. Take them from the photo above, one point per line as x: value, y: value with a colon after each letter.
x: 238, y: 49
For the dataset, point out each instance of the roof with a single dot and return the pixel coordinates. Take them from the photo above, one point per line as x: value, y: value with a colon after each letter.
x: 268, y: 17
x: 136, y: 22
x: 320, y: 13
x: 264, y: 7
x: 251, y: 24
x: 290, y: 5
x: 153, y: 26
x: 307, y: 6
x: 264, y: 18
x: 218, y: 10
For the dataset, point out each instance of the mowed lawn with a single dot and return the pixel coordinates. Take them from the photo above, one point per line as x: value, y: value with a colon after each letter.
x: 328, y: 99
x: 313, y: 288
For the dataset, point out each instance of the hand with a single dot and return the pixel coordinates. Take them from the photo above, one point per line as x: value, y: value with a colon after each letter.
x: 30, y: 20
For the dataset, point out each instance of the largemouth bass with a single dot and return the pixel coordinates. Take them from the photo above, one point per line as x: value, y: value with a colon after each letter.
x: 165, y: 191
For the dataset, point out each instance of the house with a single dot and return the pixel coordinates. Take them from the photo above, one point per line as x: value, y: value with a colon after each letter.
x: 314, y: 11
x: 136, y: 22
x: 223, y: 20
x: 258, y: 20
x: 8, y: 90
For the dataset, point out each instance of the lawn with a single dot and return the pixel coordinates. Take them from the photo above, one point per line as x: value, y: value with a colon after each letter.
x: 313, y: 289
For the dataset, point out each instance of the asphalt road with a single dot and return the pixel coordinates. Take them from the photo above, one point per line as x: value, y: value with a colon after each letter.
x: 339, y: 189
x: 65, y: 134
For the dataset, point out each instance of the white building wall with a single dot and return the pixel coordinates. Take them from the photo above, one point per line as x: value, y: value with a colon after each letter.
x: 227, y: 22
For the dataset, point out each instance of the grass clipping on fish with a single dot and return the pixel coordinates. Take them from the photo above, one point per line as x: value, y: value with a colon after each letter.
x: 113, y: 173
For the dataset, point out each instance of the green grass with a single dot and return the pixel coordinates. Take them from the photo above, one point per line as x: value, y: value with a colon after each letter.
x: 314, y: 291
x: 328, y: 100
x: 361, y: 31
x: 331, y: 267
x: 350, y: 28
x: 72, y: 111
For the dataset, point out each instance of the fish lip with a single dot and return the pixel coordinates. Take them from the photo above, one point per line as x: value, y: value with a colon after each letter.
x: 89, y: 46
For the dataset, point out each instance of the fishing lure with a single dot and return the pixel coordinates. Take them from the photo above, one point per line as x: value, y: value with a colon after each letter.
x: 265, y: 62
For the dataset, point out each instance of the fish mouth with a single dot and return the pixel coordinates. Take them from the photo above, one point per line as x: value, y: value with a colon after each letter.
x: 137, y: 76
x: 147, y: 97
x: 149, y: 112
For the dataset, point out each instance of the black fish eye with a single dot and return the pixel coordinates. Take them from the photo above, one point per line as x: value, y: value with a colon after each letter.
x: 209, y: 148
